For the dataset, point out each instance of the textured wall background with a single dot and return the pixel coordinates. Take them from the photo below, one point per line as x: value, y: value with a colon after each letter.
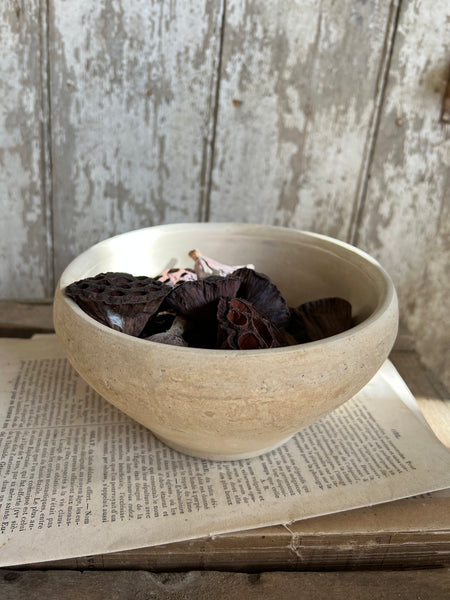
x: 319, y: 115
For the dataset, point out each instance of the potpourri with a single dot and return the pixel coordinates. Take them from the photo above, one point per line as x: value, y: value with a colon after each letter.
x: 210, y: 306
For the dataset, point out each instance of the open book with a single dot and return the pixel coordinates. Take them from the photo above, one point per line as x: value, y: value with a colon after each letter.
x: 79, y: 477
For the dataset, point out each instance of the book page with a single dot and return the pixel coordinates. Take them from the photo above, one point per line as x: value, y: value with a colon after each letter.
x: 79, y: 477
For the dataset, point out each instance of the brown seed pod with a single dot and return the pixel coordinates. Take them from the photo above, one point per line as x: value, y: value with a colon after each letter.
x: 320, y: 319
x: 121, y: 301
x: 263, y: 295
x: 242, y: 327
x: 197, y: 301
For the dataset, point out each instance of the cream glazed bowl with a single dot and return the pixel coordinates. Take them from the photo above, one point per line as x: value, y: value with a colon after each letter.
x: 232, y: 404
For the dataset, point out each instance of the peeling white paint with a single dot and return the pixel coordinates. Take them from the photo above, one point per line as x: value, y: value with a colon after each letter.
x: 132, y: 90
x: 23, y: 264
x: 405, y: 221
x: 291, y: 152
x: 130, y: 136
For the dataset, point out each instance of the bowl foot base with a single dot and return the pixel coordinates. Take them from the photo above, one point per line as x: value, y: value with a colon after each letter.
x: 218, y: 456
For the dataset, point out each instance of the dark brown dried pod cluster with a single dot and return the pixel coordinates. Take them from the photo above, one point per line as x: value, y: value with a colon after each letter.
x: 242, y: 327
x: 319, y: 319
x: 119, y: 300
x: 197, y: 301
x: 239, y: 310
x: 263, y: 295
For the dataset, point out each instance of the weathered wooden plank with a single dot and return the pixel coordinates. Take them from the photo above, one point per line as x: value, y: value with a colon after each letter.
x: 297, y: 95
x: 276, y: 548
x: 24, y: 225
x: 133, y: 87
x: 129, y: 585
x: 405, y: 221
x: 24, y: 319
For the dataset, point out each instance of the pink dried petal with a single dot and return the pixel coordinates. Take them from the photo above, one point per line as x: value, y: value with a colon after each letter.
x: 174, y: 276
x: 206, y: 267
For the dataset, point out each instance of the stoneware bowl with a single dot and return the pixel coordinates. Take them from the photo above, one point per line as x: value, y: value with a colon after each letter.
x: 228, y: 404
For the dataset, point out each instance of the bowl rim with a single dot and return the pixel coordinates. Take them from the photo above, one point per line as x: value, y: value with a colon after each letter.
x: 323, y: 241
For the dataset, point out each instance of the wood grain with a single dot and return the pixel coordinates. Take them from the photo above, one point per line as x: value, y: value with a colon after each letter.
x: 297, y: 96
x: 131, y: 585
x: 24, y: 225
x: 405, y: 221
x: 24, y: 319
x: 410, y: 533
x: 133, y: 87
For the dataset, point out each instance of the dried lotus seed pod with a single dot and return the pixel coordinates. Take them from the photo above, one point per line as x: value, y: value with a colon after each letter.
x: 121, y: 301
x: 197, y: 301
x: 264, y: 295
x: 242, y: 327
x: 320, y: 319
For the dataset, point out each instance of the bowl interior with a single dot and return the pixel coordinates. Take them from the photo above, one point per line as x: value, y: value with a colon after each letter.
x: 303, y: 265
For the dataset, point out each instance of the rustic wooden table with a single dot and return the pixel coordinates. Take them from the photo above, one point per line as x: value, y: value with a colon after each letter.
x: 397, y: 550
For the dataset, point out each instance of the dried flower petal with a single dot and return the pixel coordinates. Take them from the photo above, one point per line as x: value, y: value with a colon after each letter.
x: 173, y: 336
x: 264, y: 295
x: 242, y: 327
x: 167, y: 338
x: 160, y: 322
x: 197, y: 301
x: 297, y: 328
x: 320, y: 319
x: 121, y: 301
x: 205, y: 266
x: 175, y: 276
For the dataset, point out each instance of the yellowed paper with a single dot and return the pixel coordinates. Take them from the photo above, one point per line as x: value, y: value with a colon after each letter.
x: 78, y: 477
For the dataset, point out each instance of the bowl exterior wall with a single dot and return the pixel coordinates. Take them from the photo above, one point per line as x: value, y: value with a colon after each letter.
x: 222, y: 403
